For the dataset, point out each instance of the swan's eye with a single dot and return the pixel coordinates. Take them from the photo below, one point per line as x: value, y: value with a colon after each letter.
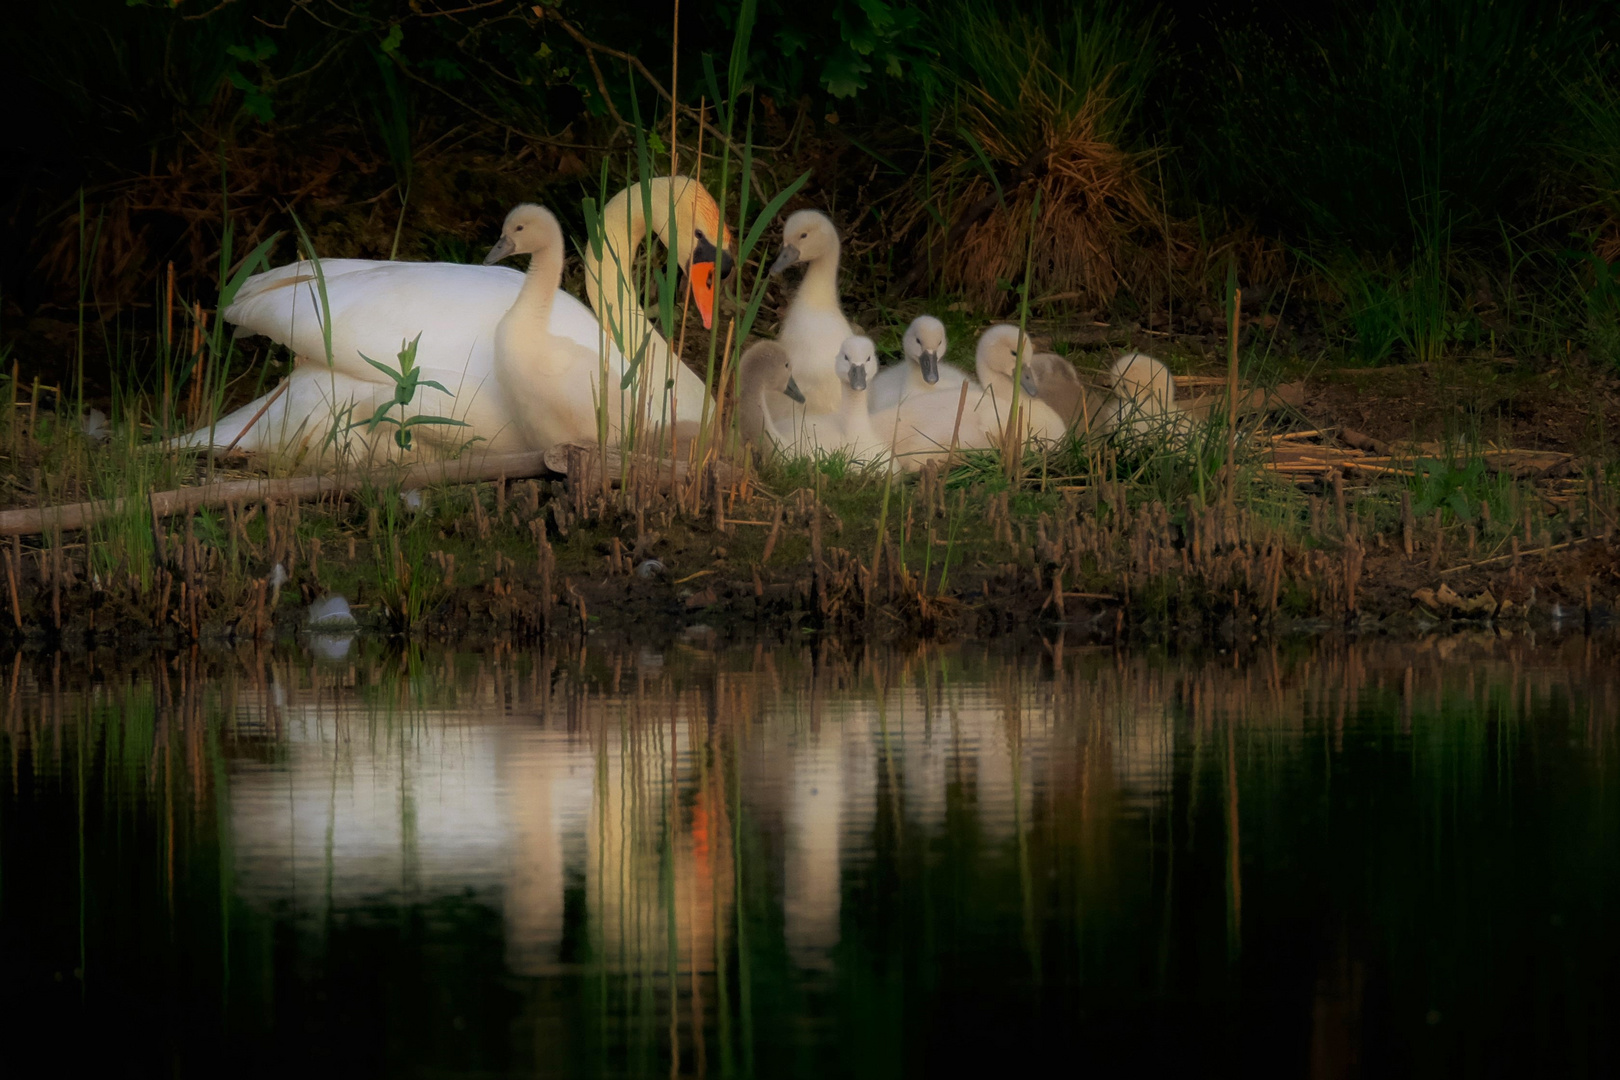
x: 517, y: 228
x: 804, y: 236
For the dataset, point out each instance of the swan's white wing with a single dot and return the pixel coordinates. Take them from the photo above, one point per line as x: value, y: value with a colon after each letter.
x: 376, y: 307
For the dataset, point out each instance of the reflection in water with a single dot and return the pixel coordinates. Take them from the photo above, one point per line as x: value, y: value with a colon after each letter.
x: 1327, y: 861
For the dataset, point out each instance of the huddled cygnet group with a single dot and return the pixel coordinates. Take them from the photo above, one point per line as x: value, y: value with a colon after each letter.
x: 510, y: 361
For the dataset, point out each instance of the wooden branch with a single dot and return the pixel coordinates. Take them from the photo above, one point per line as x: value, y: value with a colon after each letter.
x: 466, y: 470
x: 1352, y: 437
x: 1532, y: 553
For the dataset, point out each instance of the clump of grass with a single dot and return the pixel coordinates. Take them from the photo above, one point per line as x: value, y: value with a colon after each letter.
x: 1042, y: 109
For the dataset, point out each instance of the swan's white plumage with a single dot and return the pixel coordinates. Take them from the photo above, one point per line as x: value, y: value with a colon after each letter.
x: 906, y: 379
x: 997, y: 359
x: 814, y: 327
x: 551, y: 381
x: 1144, y: 401
x: 455, y: 307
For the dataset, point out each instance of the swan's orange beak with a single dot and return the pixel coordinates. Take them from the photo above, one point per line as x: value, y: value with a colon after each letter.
x: 702, y: 277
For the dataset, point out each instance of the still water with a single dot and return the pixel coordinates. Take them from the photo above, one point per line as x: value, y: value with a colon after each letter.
x: 1317, y: 860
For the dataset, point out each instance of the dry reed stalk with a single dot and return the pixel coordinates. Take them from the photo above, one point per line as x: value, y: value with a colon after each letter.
x: 770, y: 540
x: 817, y: 571
x: 196, y: 357
x: 254, y: 419
x: 1232, y: 394
x: 168, y: 310
x: 11, y: 580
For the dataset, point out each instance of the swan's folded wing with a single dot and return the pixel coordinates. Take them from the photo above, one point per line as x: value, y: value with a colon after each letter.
x: 376, y: 307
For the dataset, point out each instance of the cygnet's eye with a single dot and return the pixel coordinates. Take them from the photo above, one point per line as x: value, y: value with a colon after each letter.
x: 517, y: 228
x: 804, y: 236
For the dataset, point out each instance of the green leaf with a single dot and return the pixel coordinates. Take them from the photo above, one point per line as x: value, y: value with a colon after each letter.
x: 391, y: 43
x: 841, y: 75
x: 257, y: 258
x: 767, y: 215
x: 385, y: 369
x: 443, y: 421
x: 379, y: 417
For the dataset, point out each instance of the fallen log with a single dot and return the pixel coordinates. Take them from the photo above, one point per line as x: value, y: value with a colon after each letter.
x: 467, y: 470
x: 584, y: 460
x: 585, y: 464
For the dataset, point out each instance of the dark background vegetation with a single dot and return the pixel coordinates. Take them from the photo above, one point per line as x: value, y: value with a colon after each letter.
x: 1420, y: 178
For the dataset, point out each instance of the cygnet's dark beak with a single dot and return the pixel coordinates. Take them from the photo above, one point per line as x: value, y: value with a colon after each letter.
x: 857, y: 377
x: 503, y: 247
x: 792, y: 390
x: 1031, y: 387
x: 929, y: 362
x: 789, y: 257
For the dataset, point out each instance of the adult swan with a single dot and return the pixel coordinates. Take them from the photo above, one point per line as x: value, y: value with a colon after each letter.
x: 376, y: 307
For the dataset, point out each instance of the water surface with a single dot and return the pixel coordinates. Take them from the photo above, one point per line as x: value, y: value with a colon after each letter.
x: 1324, y: 860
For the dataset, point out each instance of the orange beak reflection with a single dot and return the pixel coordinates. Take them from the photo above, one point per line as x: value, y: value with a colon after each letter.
x: 702, y: 278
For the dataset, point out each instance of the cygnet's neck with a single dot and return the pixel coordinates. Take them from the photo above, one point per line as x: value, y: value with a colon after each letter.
x: 854, y: 405
x: 819, y: 289
x: 751, y: 410
x: 535, y: 298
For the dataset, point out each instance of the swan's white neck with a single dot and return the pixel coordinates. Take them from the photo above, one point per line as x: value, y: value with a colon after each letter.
x: 819, y: 289
x: 611, y: 280
x: 857, y: 418
x: 530, y: 313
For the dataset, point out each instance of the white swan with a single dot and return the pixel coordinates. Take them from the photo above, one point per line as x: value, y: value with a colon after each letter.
x: 851, y: 430
x: 926, y: 427
x: 376, y: 306
x: 922, y: 371
x: 551, y: 383
x: 997, y: 360
x: 764, y: 372
x: 814, y: 328
x: 1144, y: 401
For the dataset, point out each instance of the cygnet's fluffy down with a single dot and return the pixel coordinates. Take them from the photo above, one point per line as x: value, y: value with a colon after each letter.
x: 851, y: 431
x: 814, y: 326
x: 1070, y: 396
x: 765, y: 377
x: 1003, y: 352
x: 1144, y: 402
x: 923, y: 371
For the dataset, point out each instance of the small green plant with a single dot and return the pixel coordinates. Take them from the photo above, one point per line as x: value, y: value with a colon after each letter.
x: 1462, y: 491
x: 407, y: 381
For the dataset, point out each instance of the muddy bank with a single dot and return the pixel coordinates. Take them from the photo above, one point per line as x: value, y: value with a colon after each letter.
x: 523, y: 562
